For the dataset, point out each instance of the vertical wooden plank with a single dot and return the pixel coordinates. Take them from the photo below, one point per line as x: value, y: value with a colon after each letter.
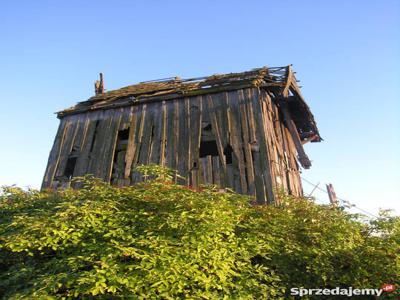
x: 141, y: 118
x: 156, y: 137
x: 66, y: 147
x: 145, y: 148
x: 126, y: 116
x: 209, y: 169
x: 293, y: 165
x: 97, y: 147
x: 246, y: 142
x: 80, y: 132
x: 229, y: 175
x: 250, y: 116
x: 177, y: 132
x: 87, y: 144
x: 216, y: 130
x: 54, y: 154
x: 103, y: 145
x: 163, y: 134
x: 258, y: 178
x: 195, y: 112
x: 110, y: 144
x: 183, y: 142
x: 216, y: 170
x: 236, y: 141
x: 170, y: 155
x: 270, y: 138
x: 220, y: 110
x: 263, y: 158
x: 203, y: 169
x: 132, y: 141
x: 285, y: 160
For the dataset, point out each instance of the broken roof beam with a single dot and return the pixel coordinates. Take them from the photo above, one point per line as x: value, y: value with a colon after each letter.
x: 302, y: 156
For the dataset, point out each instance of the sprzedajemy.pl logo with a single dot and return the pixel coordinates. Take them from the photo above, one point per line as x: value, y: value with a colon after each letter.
x: 349, y: 292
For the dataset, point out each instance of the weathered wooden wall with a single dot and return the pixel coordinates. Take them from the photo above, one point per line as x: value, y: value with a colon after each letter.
x: 233, y: 139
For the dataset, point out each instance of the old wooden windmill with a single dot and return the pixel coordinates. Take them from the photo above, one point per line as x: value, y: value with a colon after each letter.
x: 241, y: 130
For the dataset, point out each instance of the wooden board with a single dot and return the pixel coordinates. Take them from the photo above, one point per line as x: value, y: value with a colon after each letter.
x: 263, y: 153
x: 243, y: 101
x: 54, y: 155
x: 236, y: 142
x: 195, y: 115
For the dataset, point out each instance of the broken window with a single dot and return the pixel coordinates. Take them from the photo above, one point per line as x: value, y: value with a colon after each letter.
x: 228, y: 154
x: 208, y: 148
x: 70, y: 167
x: 208, y: 145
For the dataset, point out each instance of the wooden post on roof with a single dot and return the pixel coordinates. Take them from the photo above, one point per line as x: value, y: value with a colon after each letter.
x: 99, y: 85
x: 332, y: 195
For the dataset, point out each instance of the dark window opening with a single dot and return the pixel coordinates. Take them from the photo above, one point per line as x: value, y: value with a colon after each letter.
x: 207, y: 127
x: 208, y: 148
x: 70, y: 167
x: 122, y: 140
x: 228, y: 154
x: 123, y: 134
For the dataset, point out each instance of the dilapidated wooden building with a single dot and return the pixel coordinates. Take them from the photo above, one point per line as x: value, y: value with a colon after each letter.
x: 243, y: 130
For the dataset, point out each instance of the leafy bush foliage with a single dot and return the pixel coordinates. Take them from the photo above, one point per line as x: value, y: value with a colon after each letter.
x: 159, y: 240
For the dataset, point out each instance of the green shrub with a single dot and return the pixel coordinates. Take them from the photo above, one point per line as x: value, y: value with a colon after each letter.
x: 159, y: 240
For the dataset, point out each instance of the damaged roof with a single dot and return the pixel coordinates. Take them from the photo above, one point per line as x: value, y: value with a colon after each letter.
x: 280, y: 81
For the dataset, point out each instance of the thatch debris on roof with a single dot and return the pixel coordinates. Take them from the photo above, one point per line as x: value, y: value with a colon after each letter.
x: 277, y: 80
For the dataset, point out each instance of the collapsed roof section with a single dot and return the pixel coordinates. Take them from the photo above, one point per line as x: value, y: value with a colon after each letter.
x: 280, y: 82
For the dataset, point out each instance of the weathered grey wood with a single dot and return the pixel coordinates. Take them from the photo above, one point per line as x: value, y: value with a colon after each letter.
x: 102, y: 146
x: 263, y: 151
x: 135, y: 177
x: 80, y: 132
x: 216, y: 170
x: 170, y: 155
x: 230, y: 179
x: 303, y: 158
x: 169, y: 120
x: 54, y: 155
x: 183, y: 142
x: 195, y: 137
x: 110, y: 145
x: 236, y: 140
x: 204, y: 171
x: 293, y: 165
x: 156, y: 137
x: 132, y: 142
x: 87, y: 144
x: 126, y: 115
x: 246, y: 142
x: 216, y: 130
x: 147, y: 137
x: 209, y: 170
x: 261, y: 196
x: 97, y: 143
x: 270, y: 137
x: 163, y: 134
x: 66, y: 147
x: 176, y: 131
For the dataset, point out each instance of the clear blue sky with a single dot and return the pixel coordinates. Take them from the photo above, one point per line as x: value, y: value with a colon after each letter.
x: 346, y: 54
